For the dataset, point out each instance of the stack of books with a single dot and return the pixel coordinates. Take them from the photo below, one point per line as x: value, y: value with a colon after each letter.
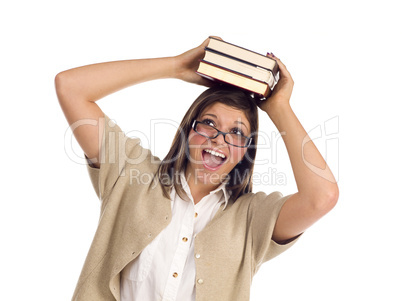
x: 238, y: 66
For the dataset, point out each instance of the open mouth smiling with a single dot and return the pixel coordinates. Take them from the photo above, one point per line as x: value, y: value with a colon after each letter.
x: 213, y: 159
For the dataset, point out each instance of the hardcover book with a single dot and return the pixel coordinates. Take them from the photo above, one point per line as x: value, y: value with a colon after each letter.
x: 240, y: 67
x: 219, y: 73
x: 244, y: 54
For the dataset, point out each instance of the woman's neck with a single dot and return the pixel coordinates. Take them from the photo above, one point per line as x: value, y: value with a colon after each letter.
x: 199, y: 186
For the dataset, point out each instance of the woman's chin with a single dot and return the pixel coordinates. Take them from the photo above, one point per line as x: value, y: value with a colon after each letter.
x: 210, y: 176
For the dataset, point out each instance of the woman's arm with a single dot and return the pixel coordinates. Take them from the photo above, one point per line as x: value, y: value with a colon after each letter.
x: 78, y: 89
x: 317, y: 192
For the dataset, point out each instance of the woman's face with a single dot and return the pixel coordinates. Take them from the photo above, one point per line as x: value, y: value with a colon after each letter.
x: 211, y: 160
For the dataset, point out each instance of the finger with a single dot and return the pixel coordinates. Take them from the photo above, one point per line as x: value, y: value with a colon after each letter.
x: 205, y: 43
x: 215, y: 37
x: 207, y: 82
x: 282, y: 68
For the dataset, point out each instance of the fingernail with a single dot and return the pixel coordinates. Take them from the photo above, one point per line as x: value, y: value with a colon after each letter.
x: 268, y: 53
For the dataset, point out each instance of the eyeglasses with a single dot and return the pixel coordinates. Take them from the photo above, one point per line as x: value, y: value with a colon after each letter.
x: 235, y: 139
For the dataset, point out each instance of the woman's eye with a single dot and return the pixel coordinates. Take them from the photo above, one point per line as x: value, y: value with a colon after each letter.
x: 208, y: 122
x: 237, y: 131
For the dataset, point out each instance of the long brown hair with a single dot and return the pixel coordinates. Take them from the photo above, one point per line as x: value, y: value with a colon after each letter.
x: 240, y: 178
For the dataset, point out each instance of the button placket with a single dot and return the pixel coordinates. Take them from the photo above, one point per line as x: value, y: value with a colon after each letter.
x: 180, y: 255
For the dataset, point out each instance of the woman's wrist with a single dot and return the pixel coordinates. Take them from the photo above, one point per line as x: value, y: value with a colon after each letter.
x: 177, y: 67
x: 277, y: 111
x: 164, y: 67
x: 275, y: 108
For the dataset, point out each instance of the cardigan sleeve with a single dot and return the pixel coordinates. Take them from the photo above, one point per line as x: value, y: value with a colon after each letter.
x: 264, y: 212
x: 116, y: 150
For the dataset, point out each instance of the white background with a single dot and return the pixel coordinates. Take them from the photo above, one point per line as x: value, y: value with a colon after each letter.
x: 345, y: 59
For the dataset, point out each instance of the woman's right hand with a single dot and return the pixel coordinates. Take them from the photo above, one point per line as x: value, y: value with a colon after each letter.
x: 79, y: 88
x: 187, y: 65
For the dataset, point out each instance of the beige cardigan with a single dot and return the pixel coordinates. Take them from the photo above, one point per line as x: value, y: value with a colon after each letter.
x: 232, y: 246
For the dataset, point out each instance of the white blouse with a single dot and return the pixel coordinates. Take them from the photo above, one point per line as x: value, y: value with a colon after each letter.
x: 165, y: 270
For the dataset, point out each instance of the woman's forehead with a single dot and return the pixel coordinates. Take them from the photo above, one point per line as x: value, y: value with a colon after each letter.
x: 222, y: 110
x: 225, y: 113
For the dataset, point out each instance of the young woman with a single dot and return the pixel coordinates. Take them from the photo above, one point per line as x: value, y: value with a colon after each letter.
x: 188, y: 227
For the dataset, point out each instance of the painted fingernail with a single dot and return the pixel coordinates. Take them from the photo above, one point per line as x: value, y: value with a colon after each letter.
x: 268, y: 53
x: 273, y: 54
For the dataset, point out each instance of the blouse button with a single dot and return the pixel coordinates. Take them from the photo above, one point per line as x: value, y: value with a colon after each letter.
x: 197, y: 255
x: 175, y: 275
x: 200, y: 281
x: 196, y: 214
x: 185, y: 239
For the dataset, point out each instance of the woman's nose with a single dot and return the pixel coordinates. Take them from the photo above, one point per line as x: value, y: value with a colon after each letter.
x: 220, y: 140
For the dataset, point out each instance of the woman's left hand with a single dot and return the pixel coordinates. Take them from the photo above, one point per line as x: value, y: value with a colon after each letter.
x: 283, y: 89
x: 317, y: 189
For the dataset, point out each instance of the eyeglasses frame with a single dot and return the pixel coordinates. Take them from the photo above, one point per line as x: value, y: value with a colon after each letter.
x: 194, y: 125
